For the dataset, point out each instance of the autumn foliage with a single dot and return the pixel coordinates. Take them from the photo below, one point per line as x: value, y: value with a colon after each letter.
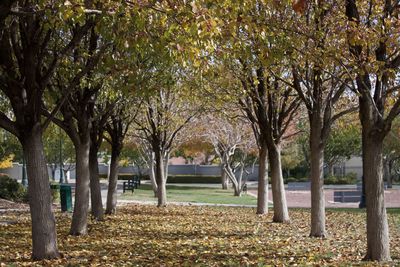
x: 299, y: 6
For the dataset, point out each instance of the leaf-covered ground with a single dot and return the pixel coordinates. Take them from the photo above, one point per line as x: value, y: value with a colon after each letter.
x: 198, y: 236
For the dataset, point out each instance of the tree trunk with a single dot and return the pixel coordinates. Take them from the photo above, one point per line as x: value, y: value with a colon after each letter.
x: 44, y: 237
x: 95, y: 188
x: 112, y: 192
x: 377, y: 225
x: 160, y: 179
x: 79, y: 217
x: 166, y: 159
x: 235, y: 179
x: 152, y: 174
x: 317, y: 189
x: 53, y: 172
x: 262, y: 191
x: 65, y: 176
x: 224, y: 178
x: 390, y: 176
x: 281, y: 213
x: 237, y: 192
x: 331, y: 171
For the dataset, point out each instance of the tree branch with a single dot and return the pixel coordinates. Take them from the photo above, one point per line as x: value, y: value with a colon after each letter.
x: 8, y: 125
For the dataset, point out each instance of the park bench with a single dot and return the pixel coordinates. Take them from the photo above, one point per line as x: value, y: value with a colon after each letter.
x: 131, y: 184
x: 299, y: 186
x: 347, y: 196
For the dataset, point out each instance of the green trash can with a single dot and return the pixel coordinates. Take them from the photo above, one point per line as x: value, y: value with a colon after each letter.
x: 66, y: 197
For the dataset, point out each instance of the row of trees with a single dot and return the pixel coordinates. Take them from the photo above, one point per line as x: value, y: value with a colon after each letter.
x: 63, y: 63
x: 92, y: 67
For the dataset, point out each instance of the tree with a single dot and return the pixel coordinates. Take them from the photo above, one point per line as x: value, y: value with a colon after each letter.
x: 145, y: 156
x: 30, y: 31
x: 233, y: 143
x: 316, y: 46
x: 165, y: 116
x: 100, y: 113
x: 164, y: 89
x: 391, y: 150
x: 343, y: 143
x: 374, y: 63
x: 252, y: 53
x: 78, y: 75
x: 195, y: 148
x: 117, y: 128
x: 270, y: 109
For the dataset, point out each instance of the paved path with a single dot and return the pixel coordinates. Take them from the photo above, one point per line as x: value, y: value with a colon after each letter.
x: 302, y: 199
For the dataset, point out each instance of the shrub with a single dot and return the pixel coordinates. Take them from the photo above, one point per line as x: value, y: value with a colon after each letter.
x: 10, y: 189
x: 350, y: 178
x: 124, y: 176
x: 290, y: 180
x: 304, y: 179
x: 193, y: 179
x: 330, y: 180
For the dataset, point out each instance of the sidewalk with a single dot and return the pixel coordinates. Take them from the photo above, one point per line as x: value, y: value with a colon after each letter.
x: 302, y: 199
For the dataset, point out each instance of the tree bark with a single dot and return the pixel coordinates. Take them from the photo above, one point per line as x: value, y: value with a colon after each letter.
x: 224, y: 178
x: 237, y: 192
x: 152, y: 174
x: 95, y: 188
x: 317, y: 190
x: 79, y: 217
x: 44, y: 237
x: 160, y: 179
x: 281, y: 213
x: 166, y: 159
x: 112, y: 192
x: 262, y: 191
x: 378, y: 247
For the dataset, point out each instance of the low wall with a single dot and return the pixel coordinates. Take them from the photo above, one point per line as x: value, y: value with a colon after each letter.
x: 206, y: 170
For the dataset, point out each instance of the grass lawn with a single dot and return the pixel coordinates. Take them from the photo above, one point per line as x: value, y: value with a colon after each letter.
x: 143, y: 235
x: 192, y: 194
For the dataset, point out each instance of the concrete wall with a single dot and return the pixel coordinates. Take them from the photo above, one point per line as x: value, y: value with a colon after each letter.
x: 354, y: 165
x: 14, y: 172
x: 205, y: 170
